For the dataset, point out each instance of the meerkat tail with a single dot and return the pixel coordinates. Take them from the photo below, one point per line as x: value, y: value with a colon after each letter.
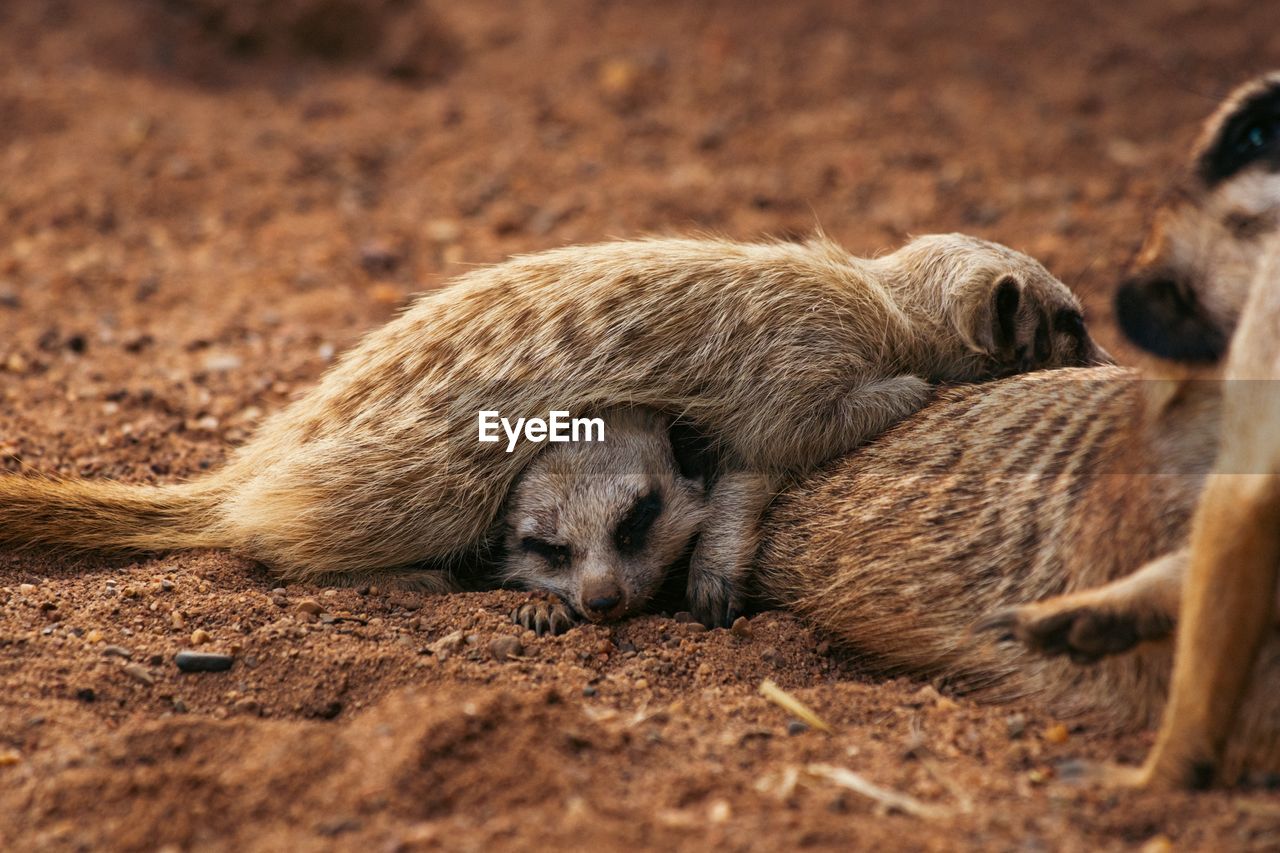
x: 102, y: 515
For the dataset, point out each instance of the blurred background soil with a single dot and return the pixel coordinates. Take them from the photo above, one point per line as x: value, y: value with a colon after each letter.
x: 202, y: 201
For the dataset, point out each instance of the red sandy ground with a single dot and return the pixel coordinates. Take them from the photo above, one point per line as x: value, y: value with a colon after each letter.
x: 200, y: 201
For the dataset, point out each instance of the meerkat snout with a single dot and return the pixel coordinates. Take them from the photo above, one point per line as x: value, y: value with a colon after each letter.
x: 1182, y: 297
x: 598, y: 525
x: 601, y: 597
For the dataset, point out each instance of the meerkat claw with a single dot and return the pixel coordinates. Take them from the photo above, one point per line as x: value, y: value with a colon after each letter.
x: 544, y: 616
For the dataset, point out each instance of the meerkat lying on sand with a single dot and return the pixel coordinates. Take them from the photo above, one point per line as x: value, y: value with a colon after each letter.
x: 1067, y: 481
x: 599, y: 526
x: 787, y: 354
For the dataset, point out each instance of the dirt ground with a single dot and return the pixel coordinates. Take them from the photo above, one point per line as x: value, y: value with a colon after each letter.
x: 201, y: 201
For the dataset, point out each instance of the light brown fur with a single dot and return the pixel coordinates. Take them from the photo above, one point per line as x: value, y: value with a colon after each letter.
x: 1068, y: 482
x: 786, y: 353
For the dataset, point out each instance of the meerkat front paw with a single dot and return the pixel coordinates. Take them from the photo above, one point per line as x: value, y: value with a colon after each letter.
x: 713, y: 599
x: 1103, y: 621
x: 544, y: 615
x: 721, y: 561
x: 1084, y: 632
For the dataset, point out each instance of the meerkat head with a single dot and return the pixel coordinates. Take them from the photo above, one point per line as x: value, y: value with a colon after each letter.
x: 1011, y: 314
x: 1188, y: 282
x: 598, y: 524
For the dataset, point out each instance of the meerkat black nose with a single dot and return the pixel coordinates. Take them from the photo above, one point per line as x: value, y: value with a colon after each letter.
x: 603, y: 604
x: 602, y: 599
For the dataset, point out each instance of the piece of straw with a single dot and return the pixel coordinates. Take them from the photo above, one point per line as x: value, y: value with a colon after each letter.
x: 890, y: 799
x: 792, y: 705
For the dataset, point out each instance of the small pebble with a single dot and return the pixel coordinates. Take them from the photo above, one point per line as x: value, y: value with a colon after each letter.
x: 589, y: 691
x: 683, y: 616
x: 10, y: 757
x: 118, y: 652
x: 94, y: 636
x: 1015, y: 725
x: 443, y: 230
x: 199, y: 637
x: 379, y: 257
x: 138, y: 672
x: 505, y: 648
x: 770, y: 655
x: 796, y: 727
x: 741, y: 628
x: 176, y: 620
x: 1157, y: 844
x: 1057, y: 733
x: 309, y: 605
x: 189, y: 661
x: 642, y: 684
x: 693, y: 627
x: 9, y: 296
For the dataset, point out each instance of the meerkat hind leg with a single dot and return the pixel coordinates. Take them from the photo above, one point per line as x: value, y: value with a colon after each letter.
x: 1105, y: 620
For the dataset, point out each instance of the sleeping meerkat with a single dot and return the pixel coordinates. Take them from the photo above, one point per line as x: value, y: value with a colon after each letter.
x: 598, y: 526
x: 787, y: 354
x: 1076, y: 490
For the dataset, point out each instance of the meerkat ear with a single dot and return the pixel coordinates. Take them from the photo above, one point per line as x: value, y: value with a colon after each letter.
x: 1006, y: 298
x: 993, y: 325
x: 695, y: 451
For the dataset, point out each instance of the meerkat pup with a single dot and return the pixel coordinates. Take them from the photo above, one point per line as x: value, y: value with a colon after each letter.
x: 597, y: 527
x: 786, y: 354
x: 1063, y: 483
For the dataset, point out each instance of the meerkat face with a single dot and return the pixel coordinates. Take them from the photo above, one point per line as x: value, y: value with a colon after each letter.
x: 599, y: 524
x: 1012, y: 314
x: 1190, y: 279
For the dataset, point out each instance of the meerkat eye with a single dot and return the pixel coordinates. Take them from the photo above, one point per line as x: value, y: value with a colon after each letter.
x: 1246, y: 137
x: 633, y: 530
x: 1069, y: 322
x: 1257, y: 135
x: 558, y: 556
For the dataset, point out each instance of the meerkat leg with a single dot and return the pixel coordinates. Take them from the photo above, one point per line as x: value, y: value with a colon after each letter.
x: 1105, y: 620
x: 1228, y: 601
x: 730, y: 537
x: 727, y: 546
x: 544, y: 614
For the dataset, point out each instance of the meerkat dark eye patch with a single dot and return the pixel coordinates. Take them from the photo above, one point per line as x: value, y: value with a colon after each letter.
x: 1068, y: 321
x: 1250, y: 135
x: 558, y: 556
x: 633, y: 531
x: 1043, y: 349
